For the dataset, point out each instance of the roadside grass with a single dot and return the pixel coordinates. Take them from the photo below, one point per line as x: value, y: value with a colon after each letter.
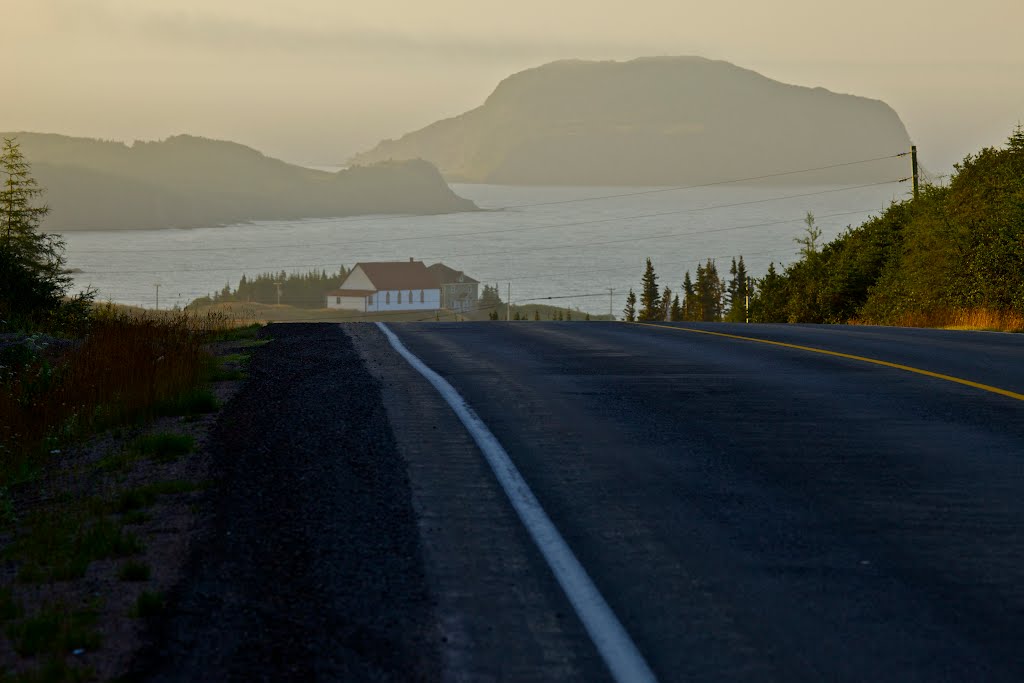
x: 58, y: 544
x: 130, y: 368
x: 164, y: 446
x: 149, y: 604
x: 982, y: 319
x: 142, y: 497
x: 54, y: 670
x: 56, y: 630
x: 133, y: 570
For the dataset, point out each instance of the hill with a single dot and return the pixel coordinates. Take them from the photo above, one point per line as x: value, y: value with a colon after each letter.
x: 654, y: 121
x: 186, y: 182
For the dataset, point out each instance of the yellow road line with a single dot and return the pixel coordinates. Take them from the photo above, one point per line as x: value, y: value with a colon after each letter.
x: 863, y: 359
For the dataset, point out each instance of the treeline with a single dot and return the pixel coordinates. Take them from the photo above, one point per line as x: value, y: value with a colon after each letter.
x: 301, y: 290
x: 954, y: 255
x: 706, y: 297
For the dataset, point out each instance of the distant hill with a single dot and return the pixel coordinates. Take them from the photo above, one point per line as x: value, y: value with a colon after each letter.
x: 186, y: 182
x: 654, y: 121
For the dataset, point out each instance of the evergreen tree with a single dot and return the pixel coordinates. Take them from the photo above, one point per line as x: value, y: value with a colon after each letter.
x: 33, y: 279
x: 736, y: 292
x: 690, y: 306
x: 768, y: 302
x: 536, y: 314
x: 629, y: 312
x: 650, y: 302
x: 677, y: 310
x: 709, y: 291
x: 666, y: 304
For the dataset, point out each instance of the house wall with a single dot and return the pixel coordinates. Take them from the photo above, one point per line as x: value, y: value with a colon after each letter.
x: 460, y: 296
x: 356, y: 280
x: 431, y: 300
x: 352, y: 303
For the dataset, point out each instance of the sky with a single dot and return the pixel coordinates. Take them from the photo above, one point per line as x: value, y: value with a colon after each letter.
x: 315, y: 81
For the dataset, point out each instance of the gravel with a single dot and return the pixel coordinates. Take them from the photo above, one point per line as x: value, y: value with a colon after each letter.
x: 311, y: 567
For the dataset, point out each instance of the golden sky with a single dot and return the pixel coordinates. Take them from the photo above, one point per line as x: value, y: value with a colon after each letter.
x: 314, y: 81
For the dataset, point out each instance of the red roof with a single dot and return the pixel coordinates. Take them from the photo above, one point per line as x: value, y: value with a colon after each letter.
x: 352, y: 292
x: 399, y: 275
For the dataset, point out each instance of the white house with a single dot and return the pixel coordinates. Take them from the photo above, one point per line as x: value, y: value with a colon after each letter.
x: 388, y: 286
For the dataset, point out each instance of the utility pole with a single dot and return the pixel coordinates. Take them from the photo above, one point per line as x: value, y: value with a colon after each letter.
x: 610, y: 292
x: 278, y: 285
x: 508, y: 304
x: 913, y: 162
x: 157, y: 285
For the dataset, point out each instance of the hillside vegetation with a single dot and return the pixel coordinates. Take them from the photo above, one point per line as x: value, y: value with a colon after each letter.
x: 952, y: 257
x: 655, y: 121
x: 186, y: 182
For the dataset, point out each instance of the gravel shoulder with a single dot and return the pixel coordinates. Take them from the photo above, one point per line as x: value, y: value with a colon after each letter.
x: 310, y: 567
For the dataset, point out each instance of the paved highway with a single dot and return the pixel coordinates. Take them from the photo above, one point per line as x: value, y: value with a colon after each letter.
x: 749, y: 511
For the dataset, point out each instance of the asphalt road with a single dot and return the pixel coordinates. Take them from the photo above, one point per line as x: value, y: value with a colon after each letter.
x: 750, y: 512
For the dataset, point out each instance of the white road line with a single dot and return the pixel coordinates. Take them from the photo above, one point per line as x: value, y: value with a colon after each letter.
x: 617, y: 649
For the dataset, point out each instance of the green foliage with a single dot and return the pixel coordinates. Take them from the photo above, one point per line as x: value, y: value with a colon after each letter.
x: 954, y: 248
x: 196, y: 401
x: 149, y: 604
x: 650, y: 300
x: 55, y: 630
x: 33, y: 277
x: 301, y: 290
x: 736, y: 292
x: 629, y: 312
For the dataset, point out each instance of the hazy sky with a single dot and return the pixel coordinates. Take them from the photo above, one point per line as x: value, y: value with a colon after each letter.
x: 314, y: 81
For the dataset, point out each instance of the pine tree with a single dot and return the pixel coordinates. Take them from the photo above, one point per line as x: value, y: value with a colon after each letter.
x: 666, y: 304
x: 677, y: 310
x: 690, y: 305
x: 650, y: 302
x: 33, y: 280
x: 709, y: 292
x: 629, y: 312
x: 536, y: 314
x: 736, y: 292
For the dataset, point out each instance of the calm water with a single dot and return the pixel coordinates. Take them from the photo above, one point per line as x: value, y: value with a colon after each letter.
x: 539, y: 239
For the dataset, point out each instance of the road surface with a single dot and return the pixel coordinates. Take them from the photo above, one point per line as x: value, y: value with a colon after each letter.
x: 749, y: 511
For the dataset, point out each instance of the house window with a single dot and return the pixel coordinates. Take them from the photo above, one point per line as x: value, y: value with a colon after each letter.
x: 387, y: 297
x: 399, y: 296
x: 421, y: 296
x: 369, y: 300
x: 337, y: 299
x: 410, y: 296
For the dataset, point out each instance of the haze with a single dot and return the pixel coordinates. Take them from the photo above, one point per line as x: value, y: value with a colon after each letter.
x: 317, y: 81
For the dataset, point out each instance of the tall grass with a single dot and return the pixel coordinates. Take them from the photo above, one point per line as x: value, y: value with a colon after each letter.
x: 126, y: 366
x: 965, y: 319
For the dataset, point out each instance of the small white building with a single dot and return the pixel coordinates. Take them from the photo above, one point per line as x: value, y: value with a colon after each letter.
x: 387, y: 286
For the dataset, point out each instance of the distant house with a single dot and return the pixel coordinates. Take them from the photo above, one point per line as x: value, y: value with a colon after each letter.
x: 459, y: 292
x: 387, y: 286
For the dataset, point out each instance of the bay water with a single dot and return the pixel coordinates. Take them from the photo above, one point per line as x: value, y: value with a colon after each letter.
x: 566, y: 246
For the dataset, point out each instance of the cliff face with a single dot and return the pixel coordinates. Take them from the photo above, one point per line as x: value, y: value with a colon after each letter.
x: 654, y: 121
x: 186, y: 182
